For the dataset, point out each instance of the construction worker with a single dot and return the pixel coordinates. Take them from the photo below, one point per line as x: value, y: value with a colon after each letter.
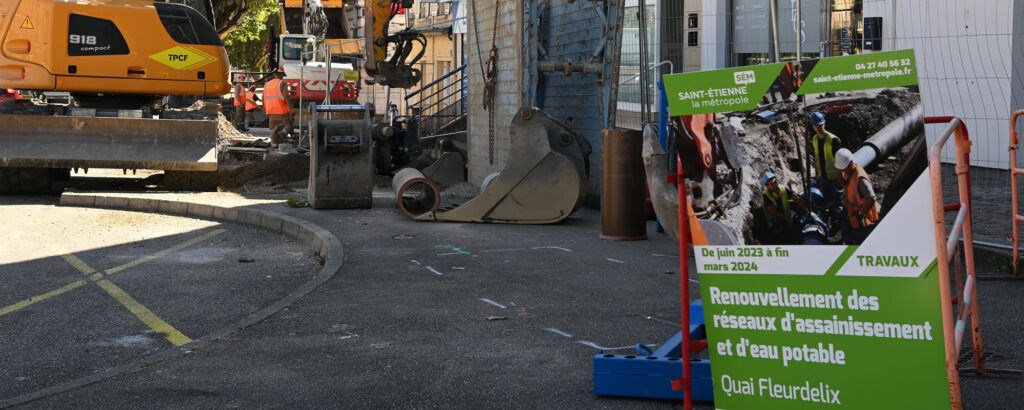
x: 240, y: 107
x: 778, y: 209
x: 275, y: 103
x: 251, y: 104
x: 862, y: 208
x: 825, y: 145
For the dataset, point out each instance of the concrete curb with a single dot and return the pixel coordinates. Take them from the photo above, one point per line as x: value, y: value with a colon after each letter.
x: 320, y: 240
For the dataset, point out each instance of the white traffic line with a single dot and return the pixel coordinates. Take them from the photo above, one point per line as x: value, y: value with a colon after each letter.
x: 485, y: 300
x: 558, y: 332
x: 596, y: 346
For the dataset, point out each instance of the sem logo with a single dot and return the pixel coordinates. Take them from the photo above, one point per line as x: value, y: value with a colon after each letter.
x: 743, y: 77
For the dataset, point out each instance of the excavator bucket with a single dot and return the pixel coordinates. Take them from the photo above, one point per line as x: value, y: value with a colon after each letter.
x: 39, y: 141
x: 544, y: 181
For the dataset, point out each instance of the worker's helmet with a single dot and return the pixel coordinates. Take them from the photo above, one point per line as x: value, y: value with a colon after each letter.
x: 768, y: 176
x: 279, y: 71
x: 817, y: 118
x: 843, y: 158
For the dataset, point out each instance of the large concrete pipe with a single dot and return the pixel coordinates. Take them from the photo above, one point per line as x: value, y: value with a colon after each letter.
x: 415, y: 194
x: 890, y: 138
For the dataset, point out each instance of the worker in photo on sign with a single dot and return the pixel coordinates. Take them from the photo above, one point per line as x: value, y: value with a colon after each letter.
x: 859, y: 199
x: 825, y: 146
x: 778, y: 209
x: 252, y: 103
x: 275, y: 104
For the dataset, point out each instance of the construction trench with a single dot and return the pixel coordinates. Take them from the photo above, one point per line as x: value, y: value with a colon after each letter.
x: 771, y: 139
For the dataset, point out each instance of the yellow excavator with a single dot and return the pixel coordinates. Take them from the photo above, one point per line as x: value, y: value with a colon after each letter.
x: 118, y: 59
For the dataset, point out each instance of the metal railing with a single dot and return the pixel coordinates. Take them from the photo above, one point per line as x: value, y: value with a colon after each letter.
x: 439, y: 106
x: 1014, y: 172
x: 947, y: 248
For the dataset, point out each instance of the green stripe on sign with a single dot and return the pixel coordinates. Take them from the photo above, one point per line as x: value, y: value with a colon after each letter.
x: 932, y: 267
x: 832, y: 270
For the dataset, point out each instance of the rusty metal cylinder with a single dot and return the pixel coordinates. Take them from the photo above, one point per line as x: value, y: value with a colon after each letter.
x: 623, y: 186
x: 415, y: 194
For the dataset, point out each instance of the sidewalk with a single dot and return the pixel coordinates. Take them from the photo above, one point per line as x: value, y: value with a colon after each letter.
x: 425, y: 315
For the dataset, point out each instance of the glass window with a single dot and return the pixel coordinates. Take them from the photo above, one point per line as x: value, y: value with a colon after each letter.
x: 187, y: 26
x: 691, y: 20
x: 629, y: 66
x: 91, y: 36
x: 291, y: 48
x: 691, y: 39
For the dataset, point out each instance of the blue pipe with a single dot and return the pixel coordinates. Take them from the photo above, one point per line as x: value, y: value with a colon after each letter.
x: 662, y: 133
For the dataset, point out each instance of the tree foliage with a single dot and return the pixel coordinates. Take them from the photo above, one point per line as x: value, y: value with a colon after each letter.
x: 246, y: 25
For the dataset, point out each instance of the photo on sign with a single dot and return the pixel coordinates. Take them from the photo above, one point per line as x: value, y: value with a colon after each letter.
x: 749, y: 172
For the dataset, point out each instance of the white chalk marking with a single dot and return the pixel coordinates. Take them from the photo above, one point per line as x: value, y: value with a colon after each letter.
x: 504, y: 250
x: 552, y: 247
x: 558, y: 332
x: 615, y: 260
x: 594, y: 345
x: 430, y: 268
x: 485, y: 300
x: 458, y: 268
x: 416, y: 262
x: 664, y: 256
x: 450, y: 253
x: 694, y: 281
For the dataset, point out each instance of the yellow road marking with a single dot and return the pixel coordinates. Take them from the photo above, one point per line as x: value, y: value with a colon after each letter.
x: 172, y: 249
x: 68, y: 256
x: 39, y: 298
x: 145, y: 315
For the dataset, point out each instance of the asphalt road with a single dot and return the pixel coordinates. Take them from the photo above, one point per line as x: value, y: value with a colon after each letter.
x: 441, y: 315
x: 86, y: 290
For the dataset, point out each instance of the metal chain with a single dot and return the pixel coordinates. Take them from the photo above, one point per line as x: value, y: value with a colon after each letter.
x: 490, y: 75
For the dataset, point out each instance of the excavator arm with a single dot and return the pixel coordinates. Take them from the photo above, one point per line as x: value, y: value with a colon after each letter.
x: 397, y: 70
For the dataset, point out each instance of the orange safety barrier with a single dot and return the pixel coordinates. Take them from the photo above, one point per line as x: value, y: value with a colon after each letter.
x: 1014, y: 171
x: 948, y: 249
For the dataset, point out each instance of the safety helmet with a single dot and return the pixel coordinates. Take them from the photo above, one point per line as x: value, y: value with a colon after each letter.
x: 843, y: 158
x: 817, y: 118
x: 768, y: 176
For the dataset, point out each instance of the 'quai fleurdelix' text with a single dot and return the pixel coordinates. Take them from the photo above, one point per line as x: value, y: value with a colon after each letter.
x: 765, y: 386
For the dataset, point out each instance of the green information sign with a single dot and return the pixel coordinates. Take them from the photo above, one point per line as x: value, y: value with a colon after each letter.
x: 820, y: 326
x: 860, y: 72
x: 736, y: 89
x: 829, y: 326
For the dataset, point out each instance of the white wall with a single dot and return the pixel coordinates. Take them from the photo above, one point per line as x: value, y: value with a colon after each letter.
x: 714, y: 34
x: 965, y: 52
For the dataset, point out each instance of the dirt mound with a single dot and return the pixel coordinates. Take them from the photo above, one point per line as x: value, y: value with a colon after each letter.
x: 275, y: 170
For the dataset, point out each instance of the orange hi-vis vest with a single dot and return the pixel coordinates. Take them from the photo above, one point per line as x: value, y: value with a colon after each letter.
x: 250, y: 101
x: 239, y: 95
x: 853, y: 201
x: 274, y: 99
